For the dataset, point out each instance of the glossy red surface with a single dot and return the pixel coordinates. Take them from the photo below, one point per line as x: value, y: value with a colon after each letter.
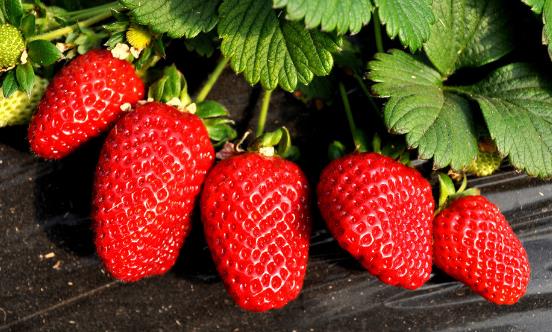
x: 380, y: 211
x: 475, y: 244
x: 257, y: 223
x: 81, y: 102
x: 149, y: 174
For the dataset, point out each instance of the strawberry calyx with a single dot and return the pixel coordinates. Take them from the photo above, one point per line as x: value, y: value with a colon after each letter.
x: 172, y: 88
x: 277, y: 142
x: 215, y: 118
x: 448, y: 193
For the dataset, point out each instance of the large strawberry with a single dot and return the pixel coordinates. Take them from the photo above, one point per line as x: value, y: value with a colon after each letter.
x: 150, y: 171
x: 255, y: 212
x: 474, y: 243
x: 380, y: 211
x: 83, y: 100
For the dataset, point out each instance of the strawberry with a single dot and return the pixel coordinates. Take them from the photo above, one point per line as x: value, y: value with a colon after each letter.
x: 82, y: 101
x: 255, y: 212
x: 150, y: 171
x: 474, y: 243
x: 380, y: 211
x: 11, y: 46
x: 18, y: 108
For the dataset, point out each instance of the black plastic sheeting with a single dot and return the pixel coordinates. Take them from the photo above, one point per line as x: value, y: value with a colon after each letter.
x: 52, y: 280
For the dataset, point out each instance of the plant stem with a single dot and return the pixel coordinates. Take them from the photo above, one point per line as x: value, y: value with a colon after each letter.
x: 264, y: 111
x: 459, y: 90
x: 211, y: 80
x: 54, y: 34
x: 364, y: 89
x: 359, y: 145
x: 90, y: 12
x: 377, y: 33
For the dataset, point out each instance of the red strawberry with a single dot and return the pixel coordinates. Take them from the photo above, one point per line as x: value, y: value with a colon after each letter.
x: 256, y: 219
x: 150, y: 171
x: 380, y: 211
x: 474, y: 243
x: 82, y: 101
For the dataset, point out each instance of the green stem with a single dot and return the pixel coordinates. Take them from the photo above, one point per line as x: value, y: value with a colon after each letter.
x: 377, y: 33
x: 458, y: 90
x: 359, y: 145
x: 94, y: 11
x: 54, y: 34
x: 264, y: 111
x: 211, y: 80
x: 366, y: 92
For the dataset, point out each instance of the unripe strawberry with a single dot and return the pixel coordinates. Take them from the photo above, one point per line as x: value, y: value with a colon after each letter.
x: 11, y: 46
x: 19, y: 107
x: 485, y: 164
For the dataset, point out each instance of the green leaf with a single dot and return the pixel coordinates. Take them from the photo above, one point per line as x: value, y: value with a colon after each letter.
x: 9, y: 86
x: 203, y: 44
x: 177, y: 18
x: 516, y: 102
x: 210, y: 109
x: 270, y: 50
x: 469, y: 33
x: 438, y: 124
x: 25, y: 77
x: 331, y: 15
x: 13, y: 11
x: 43, y: 52
x: 28, y: 26
x: 536, y: 5
x: 547, y: 30
x: 411, y: 20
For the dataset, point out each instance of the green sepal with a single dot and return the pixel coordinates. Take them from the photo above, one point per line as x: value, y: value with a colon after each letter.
x: 13, y: 11
x: 448, y: 192
x: 215, y: 118
x: 280, y: 139
x: 9, y: 86
x: 28, y: 25
x: 43, y: 52
x: 171, y: 85
x: 25, y: 77
x: 210, y: 109
x: 336, y: 150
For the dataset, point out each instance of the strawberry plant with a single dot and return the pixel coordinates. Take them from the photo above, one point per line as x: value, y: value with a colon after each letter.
x: 461, y: 84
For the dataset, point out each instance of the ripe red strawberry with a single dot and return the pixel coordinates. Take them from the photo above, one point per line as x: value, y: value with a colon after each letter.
x: 380, y: 211
x: 255, y: 212
x: 150, y: 171
x: 82, y: 101
x: 475, y: 244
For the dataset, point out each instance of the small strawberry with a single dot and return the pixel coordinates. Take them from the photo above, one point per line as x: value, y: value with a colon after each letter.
x: 150, y: 171
x: 11, y: 46
x: 474, y: 244
x: 255, y: 212
x: 488, y: 160
x: 18, y: 108
x: 82, y: 101
x: 380, y: 211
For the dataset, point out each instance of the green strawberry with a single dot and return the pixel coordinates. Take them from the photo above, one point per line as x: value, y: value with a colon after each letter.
x: 11, y: 46
x: 19, y: 107
x: 488, y: 160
